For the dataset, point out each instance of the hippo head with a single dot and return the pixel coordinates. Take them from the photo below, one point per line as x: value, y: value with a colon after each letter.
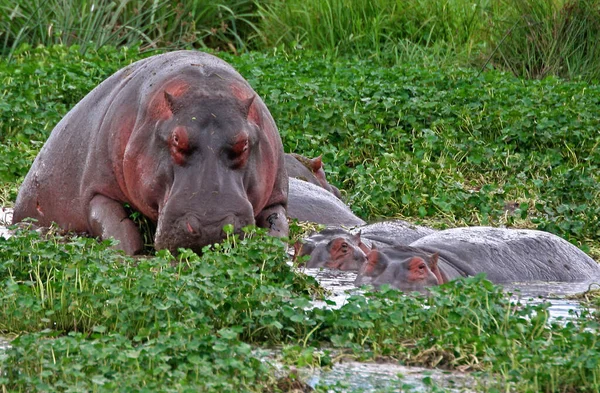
x: 333, y: 248
x: 206, y: 164
x: 400, y: 269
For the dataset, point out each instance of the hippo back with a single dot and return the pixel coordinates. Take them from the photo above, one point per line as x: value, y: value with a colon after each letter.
x: 510, y: 255
x: 390, y: 233
x: 307, y: 202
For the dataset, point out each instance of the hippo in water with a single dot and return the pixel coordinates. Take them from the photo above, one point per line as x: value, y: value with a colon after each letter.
x: 504, y: 255
x: 310, y: 170
x: 334, y: 248
x: 357, y: 242
x: 402, y: 267
x: 308, y: 202
x: 180, y: 137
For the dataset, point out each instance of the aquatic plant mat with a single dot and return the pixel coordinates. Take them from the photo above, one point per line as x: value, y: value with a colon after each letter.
x: 90, y: 319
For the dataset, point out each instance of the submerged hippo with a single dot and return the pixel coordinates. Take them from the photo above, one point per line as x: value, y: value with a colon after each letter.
x: 402, y: 267
x: 310, y: 170
x: 182, y: 138
x: 504, y: 255
x: 307, y: 202
x: 334, y: 248
x: 389, y: 233
x: 357, y: 242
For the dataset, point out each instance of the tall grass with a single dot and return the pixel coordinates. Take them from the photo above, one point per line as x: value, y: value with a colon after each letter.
x: 541, y: 38
x: 149, y: 23
x: 379, y: 27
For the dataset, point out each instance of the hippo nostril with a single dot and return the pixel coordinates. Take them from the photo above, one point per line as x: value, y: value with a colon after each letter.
x: 189, y: 228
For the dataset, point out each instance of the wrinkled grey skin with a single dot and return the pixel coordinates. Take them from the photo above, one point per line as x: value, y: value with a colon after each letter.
x: 307, y: 202
x: 508, y: 255
x: 182, y: 138
x: 389, y: 233
x: 394, y: 266
x: 310, y: 170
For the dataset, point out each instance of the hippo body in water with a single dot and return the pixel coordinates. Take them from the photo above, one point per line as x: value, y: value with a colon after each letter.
x: 308, y: 202
x: 389, y: 233
x: 357, y: 242
x: 334, y: 248
x: 504, y: 255
x: 310, y: 170
x: 180, y: 137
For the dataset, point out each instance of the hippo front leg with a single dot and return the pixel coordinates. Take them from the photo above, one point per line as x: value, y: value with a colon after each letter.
x: 274, y: 219
x: 108, y: 218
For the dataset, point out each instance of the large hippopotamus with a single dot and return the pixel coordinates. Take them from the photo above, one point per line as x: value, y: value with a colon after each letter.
x: 504, y: 255
x: 310, y: 170
x: 308, y: 202
x: 180, y: 137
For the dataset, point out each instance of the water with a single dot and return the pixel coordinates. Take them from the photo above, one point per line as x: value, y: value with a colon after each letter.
x: 5, y: 220
x: 384, y: 377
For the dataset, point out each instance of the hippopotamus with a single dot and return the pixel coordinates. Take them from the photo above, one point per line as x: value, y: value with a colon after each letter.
x: 402, y: 267
x: 180, y: 137
x: 334, y: 248
x: 308, y: 202
x: 357, y: 242
x: 310, y: 170
x: 504, y: 255
x: 389, y: 233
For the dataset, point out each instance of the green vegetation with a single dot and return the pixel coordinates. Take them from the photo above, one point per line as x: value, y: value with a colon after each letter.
x: 419, y: 111
x: 93, y: 320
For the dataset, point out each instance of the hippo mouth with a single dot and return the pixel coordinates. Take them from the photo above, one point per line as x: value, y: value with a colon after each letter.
x: 190, y: 232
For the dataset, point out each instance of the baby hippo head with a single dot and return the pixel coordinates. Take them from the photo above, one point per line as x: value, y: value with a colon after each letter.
x: 401, y: 267
x: 341, y: 251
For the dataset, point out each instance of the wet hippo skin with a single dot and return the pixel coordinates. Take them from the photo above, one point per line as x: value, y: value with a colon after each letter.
x: 504, y: 255
x: 182, y: 138
x: 308, y: 202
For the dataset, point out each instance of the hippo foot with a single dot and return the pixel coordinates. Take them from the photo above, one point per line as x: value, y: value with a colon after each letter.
x: 107, y: 218
x: 274, y: 218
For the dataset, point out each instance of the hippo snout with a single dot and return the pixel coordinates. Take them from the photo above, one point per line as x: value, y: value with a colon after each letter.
x: 189, y: 231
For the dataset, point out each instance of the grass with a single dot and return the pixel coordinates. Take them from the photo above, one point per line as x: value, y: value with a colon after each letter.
x: 532, y: 39
x: 147, y: 23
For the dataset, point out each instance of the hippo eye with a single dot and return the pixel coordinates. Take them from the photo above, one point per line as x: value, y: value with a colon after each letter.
x: 179, y: 144
x: 238, y: 153
x: 422, y: 266
x: 344, y: 247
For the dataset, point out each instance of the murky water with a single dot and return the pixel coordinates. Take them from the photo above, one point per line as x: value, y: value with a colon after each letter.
x: 5, y: 220
x: 370, y: 377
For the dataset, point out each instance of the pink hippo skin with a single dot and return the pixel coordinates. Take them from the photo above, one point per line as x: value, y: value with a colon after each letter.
x: 310, y: 170
x: 182, y: 138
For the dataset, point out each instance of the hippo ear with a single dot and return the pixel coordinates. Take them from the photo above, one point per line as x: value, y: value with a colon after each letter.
x: 170, y: 100
x: 250, y: 110
x: 316, y: 164
x: 433, y: 265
